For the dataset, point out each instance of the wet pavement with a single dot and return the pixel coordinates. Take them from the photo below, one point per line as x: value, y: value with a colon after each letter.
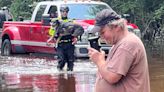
x: 37, y: 73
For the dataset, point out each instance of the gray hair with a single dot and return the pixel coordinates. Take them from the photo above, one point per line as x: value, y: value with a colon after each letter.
x: 121, y: 23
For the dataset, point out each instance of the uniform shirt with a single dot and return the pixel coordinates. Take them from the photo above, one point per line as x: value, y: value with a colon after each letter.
x: 52, y: 31
x: 128, y: 58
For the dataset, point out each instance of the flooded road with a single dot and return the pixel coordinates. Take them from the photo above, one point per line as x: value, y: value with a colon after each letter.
x: 37, y: 73
x: 28, y: 73
x: 156, y: 69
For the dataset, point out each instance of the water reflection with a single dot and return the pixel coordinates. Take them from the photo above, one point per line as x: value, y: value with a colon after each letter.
x: 22, y: 73
x: 45, y: 83
x: 64, y: 82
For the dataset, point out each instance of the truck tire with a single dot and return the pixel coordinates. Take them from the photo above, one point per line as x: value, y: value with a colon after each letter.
x: 6, y: 48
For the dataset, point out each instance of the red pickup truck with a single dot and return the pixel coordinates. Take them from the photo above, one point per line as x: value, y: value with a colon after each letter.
x: 31, y: 36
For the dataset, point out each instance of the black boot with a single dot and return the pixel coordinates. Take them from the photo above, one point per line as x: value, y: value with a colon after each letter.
x: 59, y: 68
x: 69, y: 69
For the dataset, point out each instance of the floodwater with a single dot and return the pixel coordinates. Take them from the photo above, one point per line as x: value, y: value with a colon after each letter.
x: 27, y: 73
x: 156, y: 71
x: 37, y: 73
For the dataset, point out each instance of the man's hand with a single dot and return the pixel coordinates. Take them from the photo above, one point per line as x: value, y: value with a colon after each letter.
x: 95, y: 56
x: 74, y: 40
x: 49, y: 40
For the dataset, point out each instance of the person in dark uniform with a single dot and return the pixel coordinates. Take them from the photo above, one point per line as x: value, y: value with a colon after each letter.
x: 65, y: 37
x: 9, y: 16
x: 2, y: 18
x: 66, y: 34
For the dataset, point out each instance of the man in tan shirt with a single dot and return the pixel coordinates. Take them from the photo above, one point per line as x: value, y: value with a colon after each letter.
x: 126, y: 67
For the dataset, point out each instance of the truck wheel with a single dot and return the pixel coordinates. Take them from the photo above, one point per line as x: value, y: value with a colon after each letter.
x: 6, y: 48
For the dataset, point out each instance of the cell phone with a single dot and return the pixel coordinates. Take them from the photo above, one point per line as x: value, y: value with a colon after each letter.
x: 94, y: 43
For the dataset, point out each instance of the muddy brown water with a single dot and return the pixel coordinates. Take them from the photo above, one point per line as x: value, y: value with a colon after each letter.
x: 156, y: 71
x: 28, y: 73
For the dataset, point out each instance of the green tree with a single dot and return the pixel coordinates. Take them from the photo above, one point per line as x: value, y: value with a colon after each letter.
x: 5, y: 3
x: 143, y: 12
x: 21, y: 8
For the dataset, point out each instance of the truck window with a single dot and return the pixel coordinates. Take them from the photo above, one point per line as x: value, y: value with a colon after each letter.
x: 40, y: 13
x: 87, y: 11
x: 53, y: 12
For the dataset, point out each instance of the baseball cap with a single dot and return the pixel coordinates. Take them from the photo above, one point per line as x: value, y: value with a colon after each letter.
x: 104, y: 17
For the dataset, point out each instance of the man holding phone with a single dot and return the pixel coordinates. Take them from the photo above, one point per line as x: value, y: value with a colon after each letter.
x: 126, y: 67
